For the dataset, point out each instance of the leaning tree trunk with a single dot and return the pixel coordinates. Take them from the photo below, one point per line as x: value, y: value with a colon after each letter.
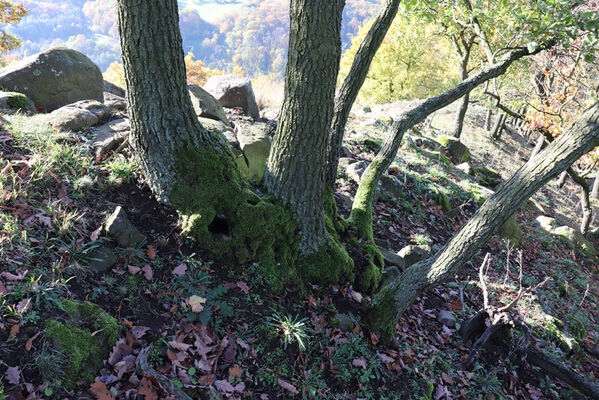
x: 395, y: 298
x: 353, y: 82
x: 295, y: 172
x: 361, y: 213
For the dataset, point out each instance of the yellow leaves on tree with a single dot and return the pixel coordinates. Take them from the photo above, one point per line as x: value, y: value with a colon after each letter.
x: 197, y: 72
x: 413, y: 62
x: 10, y: 13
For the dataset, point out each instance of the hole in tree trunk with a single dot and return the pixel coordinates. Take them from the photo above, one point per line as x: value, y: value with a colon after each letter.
x: 220, y: 227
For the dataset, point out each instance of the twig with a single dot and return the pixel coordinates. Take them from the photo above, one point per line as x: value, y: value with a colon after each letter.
x: 481, y: 277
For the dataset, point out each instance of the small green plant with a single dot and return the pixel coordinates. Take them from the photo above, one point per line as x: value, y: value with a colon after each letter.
x: 421, y: 238
x: 121, y: 169
x: 293, y: 330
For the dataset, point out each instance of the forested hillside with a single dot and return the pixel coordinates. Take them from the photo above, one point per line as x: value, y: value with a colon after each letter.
x: 252, y: 34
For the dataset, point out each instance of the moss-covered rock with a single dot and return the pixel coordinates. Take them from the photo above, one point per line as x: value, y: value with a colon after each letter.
x: 512, y: 232
x: 456, y: 149
x: 85, y: 337
x: 488, y: 177
x: 443, y: 201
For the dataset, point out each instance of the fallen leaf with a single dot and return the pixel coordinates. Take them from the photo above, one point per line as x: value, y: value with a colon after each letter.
x: 287, y: 386
x: 99, y: 390
x: 180, y: 269
x: 195, y: 302
x: 96, y: 234
x: 151, y: 252
x: 385, y: 358
x: 23, y: 306
x: 358, y: 362
x: 224, y: 386
x: 146, y: 388
x: 133, y: 269
x: 356, y: 296
x: 13, y: 375
x: 29, y: 342
x: 447, y: 378
x: 14, y: 330
x: 3, y: 290
x: 148, y: 273
x: 235, y: 372
x: 244, y: 287
x: 139, y: 331
x: 12, y: 277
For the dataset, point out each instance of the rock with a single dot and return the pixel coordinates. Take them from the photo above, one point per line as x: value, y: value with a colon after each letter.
x: 110, y: 136
x: 446, y: 318
x: 366, y: 109
x: 117, y: 102
x: 54, y: 78
x: 343, y: 322
x: 220, y: 127
x: 511, y: 231
x: 382, y: 243
x: 233, y: 91
x: 120, y: 229
x: 443, y: 201
x: 388, y: 275
x: 13, y: 101
x: 102, y: 258
x: 345, y: 161
x: 391, y: 184
x: 346, y: 200
x: 466, y: 168
x: 77, y: 116
x: 414, y: 253
x: 255, y: 144
x: 206, y: 106
x: 270, y: 113
x: 109, y: 87
x: 548, y: 224
x: 575, y: 239
x: 355, y: 170
x: 456, y: 149
x: 393, y: 260
x: 488, y: 177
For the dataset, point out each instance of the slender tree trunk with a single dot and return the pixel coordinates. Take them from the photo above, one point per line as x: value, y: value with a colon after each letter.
x: 538, y: 147
x: 464, y: 50
x: 295, y: 171
x: 595, y: 190
x: 562, y: 179
x: 489, y: 119
x: 361, y: 213
x: 499, y: 127
x: 585, y: 201
x: 353, y: 82
x: 394, y: 299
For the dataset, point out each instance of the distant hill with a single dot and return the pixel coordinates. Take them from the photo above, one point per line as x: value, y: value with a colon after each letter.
x: 250, y: 33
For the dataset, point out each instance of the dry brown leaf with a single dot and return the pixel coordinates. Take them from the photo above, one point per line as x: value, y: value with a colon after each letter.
x: 29, y: 342
x: 235, y: 372
x: 13, y: 375
x: 151, y: 252
x: 99, y: 390
x: 287, y: 386
x: 180, y: 269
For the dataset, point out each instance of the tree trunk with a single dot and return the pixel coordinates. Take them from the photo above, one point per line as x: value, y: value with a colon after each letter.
x: 489, y: 119
x: 162, y: 116
x: 353, y: 82
x: 295, y: 171
x: 562, y: 179
x: 499, y: 127
x: 395, y: 298
x: 464, y: 49
x: 538, y: 147
x: 595, y: 190
x: 361, y: 213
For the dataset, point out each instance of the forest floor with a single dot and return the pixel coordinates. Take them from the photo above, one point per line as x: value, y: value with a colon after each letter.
x: 219, y: 326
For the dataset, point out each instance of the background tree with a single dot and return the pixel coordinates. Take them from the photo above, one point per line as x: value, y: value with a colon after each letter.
x: 10, y: 13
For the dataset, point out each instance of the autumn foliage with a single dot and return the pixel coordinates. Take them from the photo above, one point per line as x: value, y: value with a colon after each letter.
x: 10, y: 13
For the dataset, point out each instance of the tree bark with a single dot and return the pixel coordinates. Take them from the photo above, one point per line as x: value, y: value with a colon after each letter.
x: 295, y: 172
x: 489, y: 119
x: 538, y: 147
x: 353, y: 82
x: 595, y: 190
x: 395, y: 298
x: 463, y: 49
x: 562, y: 179
x: 162, y: 117
x: 361, y: 213
x: 499, y: 126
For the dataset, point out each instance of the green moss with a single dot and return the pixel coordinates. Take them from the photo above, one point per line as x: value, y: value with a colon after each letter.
x: 443, y: 201
x: 512, y: 232
x: 84, y: 351
x: 576, y: 327
x: 445, y: 140
x: 230, y: 221
x: 17, y: 101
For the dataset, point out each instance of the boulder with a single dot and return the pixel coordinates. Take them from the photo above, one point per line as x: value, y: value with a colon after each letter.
x: 456, y: 149
x: 466, y: 168
x: 346, y: 200
x: 110, y: 136
x: 487, y: 177
x: 102, y: 258
x: 111, y: 88
x: 117, y: 102
x: 233, y: 91
x: 548, y: 224
x: 220, y: 127
x: 345, y: 161
x: 576, y: 239
x: 414, y: 253
x: 355, y: 170
x: 77, y: 116
x: 121, y: 230
x: 206, y: 106
x: 270, y: 113
x: 13, y: 101
x: 446, y: 318
x: 511, y: 231
x: 255, y: 144
x: 393, y: 260
x: 54, y: 78
x: 391, y: 184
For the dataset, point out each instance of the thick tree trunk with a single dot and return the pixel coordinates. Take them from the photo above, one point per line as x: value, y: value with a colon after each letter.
x: 361, y: 213
x: 353, y: 82
x: 295, y: 172
x: 162, y: 116
x: 395, y: 298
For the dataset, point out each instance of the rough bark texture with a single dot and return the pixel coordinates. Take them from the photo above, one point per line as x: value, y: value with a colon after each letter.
x: 295, y: 172
x: 162, y: 116
x: 395, y: 298
x: 353, y: 82
x: 489, y: 119
x: 361, y: 213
